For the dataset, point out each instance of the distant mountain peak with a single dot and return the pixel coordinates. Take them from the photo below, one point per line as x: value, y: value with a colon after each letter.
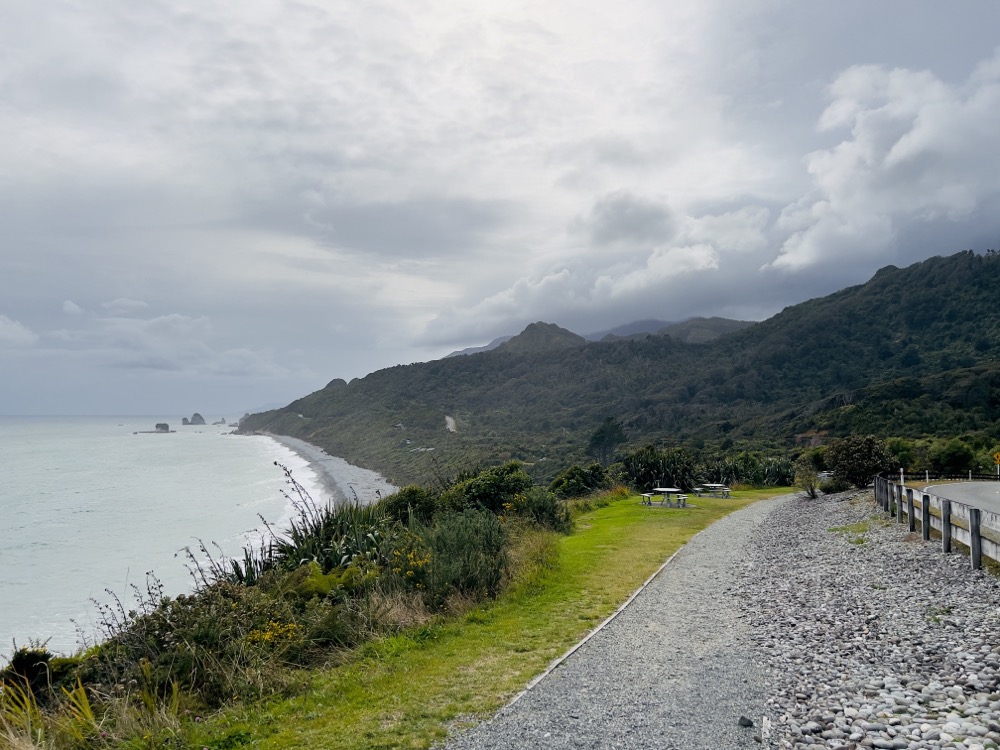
x: 636, y: 327
x: 542, y: 336
x: 477, y: 349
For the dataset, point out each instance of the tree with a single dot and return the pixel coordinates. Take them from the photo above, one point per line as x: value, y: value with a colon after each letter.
x: 806, y: 478
x: 605, y: 439
x: 858, y: 458
x: 953, y: 457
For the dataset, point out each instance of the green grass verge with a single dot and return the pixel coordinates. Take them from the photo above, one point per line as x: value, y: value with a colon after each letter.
x: 410, y: 690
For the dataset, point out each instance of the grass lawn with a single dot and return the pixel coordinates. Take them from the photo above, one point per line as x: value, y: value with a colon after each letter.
x: 408, y: 691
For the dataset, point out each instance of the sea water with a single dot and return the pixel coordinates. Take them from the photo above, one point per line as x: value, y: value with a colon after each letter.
x: 88, y: 507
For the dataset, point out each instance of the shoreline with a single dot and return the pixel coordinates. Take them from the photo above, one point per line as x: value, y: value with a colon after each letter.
x: 342, y: 481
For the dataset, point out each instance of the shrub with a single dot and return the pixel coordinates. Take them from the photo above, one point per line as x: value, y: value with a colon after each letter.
x: 409, y: 556
x: 468, y: 556
x: 806, y: 478
x: 834, y: 485
x: 332, y: 536
x: 576, y: 481
x: 28, y: 669
x: 490, y: 489
x: 226, y: 641
x: 411, y: 501
x: 544, y: 508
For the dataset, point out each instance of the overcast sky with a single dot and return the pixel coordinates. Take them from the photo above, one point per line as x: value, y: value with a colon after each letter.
x: 216, y: 206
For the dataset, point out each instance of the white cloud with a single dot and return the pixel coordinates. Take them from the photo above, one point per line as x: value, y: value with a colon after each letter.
x: 920, y: 150
x: 71, y: 308
x: 124, y: 306
x: 15, y: 334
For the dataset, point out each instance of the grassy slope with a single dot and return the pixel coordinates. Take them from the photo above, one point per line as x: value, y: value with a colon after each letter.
x: 407, y: 691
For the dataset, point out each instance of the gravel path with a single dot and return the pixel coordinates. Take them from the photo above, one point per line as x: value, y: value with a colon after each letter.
x: 671, y: 671
x: 871, y: 637
x: 829, y: 626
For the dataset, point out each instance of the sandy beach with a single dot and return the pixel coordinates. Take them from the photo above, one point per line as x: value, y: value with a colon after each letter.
x: 342, y: 482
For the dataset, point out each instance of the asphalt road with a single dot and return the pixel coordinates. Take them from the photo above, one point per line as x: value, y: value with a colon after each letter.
x: 984, y: 495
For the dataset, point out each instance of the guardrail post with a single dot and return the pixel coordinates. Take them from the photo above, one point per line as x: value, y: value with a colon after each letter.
x: 945, y: 525
x: 975, y: 540
x: 925, y: 517
x: 899, y: 504
x: 911, y: 522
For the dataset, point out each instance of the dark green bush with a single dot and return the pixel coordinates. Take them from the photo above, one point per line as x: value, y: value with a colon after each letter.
x: 415, y: 500
x: 226, y: 641
x: 545, y: 509
x: 468, y: 556
x: 576, y: 481
x: 833, y: 485
x: 490, y: 489
x: 29, y: 669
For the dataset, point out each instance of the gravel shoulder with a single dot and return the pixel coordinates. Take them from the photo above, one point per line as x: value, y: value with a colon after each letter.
x: 871, y: 637
x: 670, y: 671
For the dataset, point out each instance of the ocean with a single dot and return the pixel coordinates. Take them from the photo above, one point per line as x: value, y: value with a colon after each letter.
x: 87, y: 506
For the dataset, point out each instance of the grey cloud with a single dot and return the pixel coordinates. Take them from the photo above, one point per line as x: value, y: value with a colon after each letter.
x: 320, y: 190
x: 419, y: 228
x: 607, y: 150
x: 623, y: 217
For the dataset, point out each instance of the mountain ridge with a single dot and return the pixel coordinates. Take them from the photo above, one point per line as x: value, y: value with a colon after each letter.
x: 849, y: 361
x: 692, y: 330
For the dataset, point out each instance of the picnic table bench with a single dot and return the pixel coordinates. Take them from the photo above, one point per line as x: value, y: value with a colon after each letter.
x: 715, y: 490
x: 665, y: 493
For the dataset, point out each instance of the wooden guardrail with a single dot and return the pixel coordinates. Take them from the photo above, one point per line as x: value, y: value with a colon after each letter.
x: 977, y: 529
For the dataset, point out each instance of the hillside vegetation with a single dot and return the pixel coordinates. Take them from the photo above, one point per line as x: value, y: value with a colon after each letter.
x: 913, y: 352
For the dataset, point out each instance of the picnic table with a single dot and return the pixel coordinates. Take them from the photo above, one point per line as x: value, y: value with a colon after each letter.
x: 715, y: 490
x: 665, y: 493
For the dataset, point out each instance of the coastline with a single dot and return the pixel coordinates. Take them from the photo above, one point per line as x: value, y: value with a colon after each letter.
x: 342, y: 481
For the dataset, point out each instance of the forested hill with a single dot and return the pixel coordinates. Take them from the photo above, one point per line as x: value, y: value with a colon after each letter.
x: 912, y: 352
